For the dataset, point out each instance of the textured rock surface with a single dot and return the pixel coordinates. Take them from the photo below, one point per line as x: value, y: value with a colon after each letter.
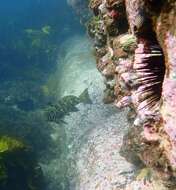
x: 138, y: 62
x: 100, y: 166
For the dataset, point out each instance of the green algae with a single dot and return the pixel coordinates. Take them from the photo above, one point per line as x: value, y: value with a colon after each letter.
x: 18, y: 166
x: 8, y: 144
x: 93, y: 26
x: 46, y: 29
x: 34, y: 49
x: 128, y: 42
x: 38, y: 41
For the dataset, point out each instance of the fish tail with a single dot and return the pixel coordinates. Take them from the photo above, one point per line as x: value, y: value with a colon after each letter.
x: 85, y: 98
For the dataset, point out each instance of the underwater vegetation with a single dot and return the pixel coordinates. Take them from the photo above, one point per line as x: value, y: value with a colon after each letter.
x: 36, y: 45
x: 31, y: 49
x: 30, y: 37
x: 28, y: 52
x: 18, y: 166
x: 26, y: 126
x: 55, y: 113
x: 25, y: 95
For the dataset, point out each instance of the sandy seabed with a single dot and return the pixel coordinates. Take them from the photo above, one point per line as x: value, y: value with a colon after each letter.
x: 94, y: 133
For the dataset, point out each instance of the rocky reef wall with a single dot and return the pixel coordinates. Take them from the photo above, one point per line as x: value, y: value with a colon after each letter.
x: 135, y: 45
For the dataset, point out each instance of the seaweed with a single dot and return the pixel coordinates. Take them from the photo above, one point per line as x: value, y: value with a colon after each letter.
x: 18, y: 166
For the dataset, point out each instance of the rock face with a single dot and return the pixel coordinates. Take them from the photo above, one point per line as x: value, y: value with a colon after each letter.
x: 135, y: 43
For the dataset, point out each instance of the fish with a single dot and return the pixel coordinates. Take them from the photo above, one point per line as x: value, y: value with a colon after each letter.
x: 56, y: 112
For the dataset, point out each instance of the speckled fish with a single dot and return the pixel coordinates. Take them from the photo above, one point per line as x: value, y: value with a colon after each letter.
x: 55, y: 113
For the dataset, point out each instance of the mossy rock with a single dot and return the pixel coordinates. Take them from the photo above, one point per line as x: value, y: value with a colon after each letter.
x: 128, y: 42
x: 18, y: 166
x: 94, y: 26
x: 131, y: 146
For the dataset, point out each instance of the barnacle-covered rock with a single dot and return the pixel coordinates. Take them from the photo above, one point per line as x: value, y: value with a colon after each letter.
x: 94, y: 3
x: 145, y: 80
x: 123, y: 45
x: 158, y: 119
x: 166, y: 33
x: 112, y: 3
x: 128, y: 43
x: 111, y: 26
x: 96, y: 30
x: 109, y: 71
x: 93, y: 26
x: 146, y: 179
x: 104, y: 61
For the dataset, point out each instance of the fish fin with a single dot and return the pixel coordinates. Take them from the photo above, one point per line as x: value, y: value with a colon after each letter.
x: 84, y: 97
x: 62, y: 121
x: 74, y: 109
x: 59, y: 121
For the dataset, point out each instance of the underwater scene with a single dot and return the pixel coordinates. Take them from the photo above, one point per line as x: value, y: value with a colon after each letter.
x: 51, y: 96
x: 87, y: 95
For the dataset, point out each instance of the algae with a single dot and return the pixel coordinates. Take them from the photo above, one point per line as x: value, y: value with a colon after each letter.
x: 18, y: 168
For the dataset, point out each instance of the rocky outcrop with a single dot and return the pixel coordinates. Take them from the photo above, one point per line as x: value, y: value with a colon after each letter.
x: 135, y: 43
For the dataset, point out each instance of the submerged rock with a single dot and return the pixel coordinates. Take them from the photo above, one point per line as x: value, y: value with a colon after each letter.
x: 143, y: 54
